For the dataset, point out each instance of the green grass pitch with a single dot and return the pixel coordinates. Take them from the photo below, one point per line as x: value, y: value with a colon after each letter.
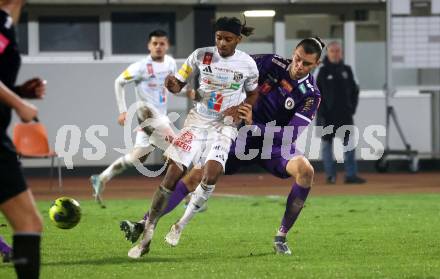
x: 393, y: 236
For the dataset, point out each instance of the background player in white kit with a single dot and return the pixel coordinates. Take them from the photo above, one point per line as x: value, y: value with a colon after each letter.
x: 226, y: 76
x: 148, y: 75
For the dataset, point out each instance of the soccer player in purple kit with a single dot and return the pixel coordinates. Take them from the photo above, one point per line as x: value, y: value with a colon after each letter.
x: 289, y: 96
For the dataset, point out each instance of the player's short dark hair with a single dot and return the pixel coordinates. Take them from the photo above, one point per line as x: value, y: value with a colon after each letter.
x: 313, y: 45
x: 157, y: 33
x: 233, y: 25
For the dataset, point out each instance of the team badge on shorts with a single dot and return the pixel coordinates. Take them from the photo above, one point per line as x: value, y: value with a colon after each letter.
x: 289, y: 104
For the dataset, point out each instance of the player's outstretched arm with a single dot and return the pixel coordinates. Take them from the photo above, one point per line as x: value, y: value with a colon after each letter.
x: 120, y: 95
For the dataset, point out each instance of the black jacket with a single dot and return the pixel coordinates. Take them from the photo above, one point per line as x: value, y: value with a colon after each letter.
x: 339, y: 94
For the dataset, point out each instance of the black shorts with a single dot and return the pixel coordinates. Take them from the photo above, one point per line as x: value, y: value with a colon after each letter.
x: 12, y: 181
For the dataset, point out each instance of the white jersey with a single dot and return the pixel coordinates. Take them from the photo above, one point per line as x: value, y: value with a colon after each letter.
x: 149, y: 77
x: 223, y: 81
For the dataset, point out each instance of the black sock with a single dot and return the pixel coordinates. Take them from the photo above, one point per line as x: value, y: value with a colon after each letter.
x: 26, y: 255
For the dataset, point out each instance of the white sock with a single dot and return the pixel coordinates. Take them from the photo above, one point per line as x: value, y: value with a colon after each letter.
x: 281, y: 234
x: 198, y: 198
x: 148, y: 234
x: 117, y: 167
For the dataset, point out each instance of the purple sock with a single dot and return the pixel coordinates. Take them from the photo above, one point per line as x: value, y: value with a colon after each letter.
x: 4, y: 247
x: 295, y: 202
x: 176, y: 197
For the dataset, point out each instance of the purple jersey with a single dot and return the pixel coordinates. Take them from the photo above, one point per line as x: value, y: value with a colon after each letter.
x: 290, y: 103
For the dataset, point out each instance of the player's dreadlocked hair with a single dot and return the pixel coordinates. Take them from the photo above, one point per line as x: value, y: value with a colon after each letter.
x: 233, y: 25
x: 313, y: 45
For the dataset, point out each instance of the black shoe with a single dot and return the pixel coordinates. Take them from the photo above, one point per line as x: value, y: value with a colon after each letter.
x: 6, y: 257
x: 132, y: 230
x: 331, y: 180
x: 354, y: 180
x: 280, y: 246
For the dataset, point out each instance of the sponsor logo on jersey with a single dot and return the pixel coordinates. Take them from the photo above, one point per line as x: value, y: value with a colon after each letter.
x: 163, y: 96
x: 238, y: 76
x: 302, y: 88
x: 345, y: 74
x: 279, y: 63
x: 216, y: 85
x: 286, y: 85
x: 234, y: 86
x: 289, y: 103
x: 207, y: 58
x: 4, y: 42
x: 308, y: 104
x: 207, y: 69
x: 150, y: 70
x: 184, y: 141
x: 225, y: 70
x: 215, y: 101
x: 310, y: 86
x: 222, y: 78
x: 265, y: 88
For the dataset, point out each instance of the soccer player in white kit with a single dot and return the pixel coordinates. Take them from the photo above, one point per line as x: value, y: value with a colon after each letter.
x: 228, y: 80
x: 149, y: 76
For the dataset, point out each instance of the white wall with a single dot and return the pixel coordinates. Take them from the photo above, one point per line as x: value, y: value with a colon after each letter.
x: 82, y: 94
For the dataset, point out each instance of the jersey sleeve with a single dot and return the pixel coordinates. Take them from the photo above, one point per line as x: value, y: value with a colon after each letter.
x: 308, y: 107
x: 132, y: 73
x: 187, y: 68
x: 304, y: 115
x: 251, y: 81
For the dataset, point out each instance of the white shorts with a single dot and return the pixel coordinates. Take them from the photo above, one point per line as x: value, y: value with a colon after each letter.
x: 197, y: 143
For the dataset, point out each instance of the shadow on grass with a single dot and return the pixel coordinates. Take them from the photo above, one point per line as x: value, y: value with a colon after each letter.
x: 252, y: 255
x: 115, y: 260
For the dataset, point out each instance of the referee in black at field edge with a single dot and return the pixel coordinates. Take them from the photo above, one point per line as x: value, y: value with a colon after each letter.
x: 16, y: 201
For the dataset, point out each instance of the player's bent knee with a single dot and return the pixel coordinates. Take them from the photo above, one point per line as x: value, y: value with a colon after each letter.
x: 212, y: 172
x: 193, y: 179
x: 172, y: 175
x: 305, y: 172
x: 30, y: 223
x: 210, y: 178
